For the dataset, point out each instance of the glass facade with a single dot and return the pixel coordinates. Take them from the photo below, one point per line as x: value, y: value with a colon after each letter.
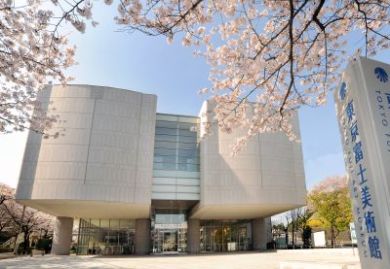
x: 104, y: 236
x: 176, y: 146
x: 224, y: 236
x: 176, y: 158
x: 169, y: 232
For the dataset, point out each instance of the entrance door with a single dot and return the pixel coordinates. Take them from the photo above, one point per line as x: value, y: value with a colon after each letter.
x: 169, y: 241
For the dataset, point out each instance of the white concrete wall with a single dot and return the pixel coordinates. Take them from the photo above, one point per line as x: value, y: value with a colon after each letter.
x: 105, y: 152
x: 62, y: 237
x: 265, y: 178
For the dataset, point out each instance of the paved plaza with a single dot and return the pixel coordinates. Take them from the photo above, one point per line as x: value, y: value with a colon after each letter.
x: 281, y: 259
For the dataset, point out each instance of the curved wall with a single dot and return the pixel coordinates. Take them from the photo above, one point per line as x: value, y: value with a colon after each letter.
x: 265, y: 178
x: 105, y: 153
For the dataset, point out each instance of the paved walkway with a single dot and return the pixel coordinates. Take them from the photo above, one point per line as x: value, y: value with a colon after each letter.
x: 316, y: 258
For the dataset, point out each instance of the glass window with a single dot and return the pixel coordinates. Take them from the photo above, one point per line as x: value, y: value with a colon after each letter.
x: 105, y: 241
x: 218, y: 236
x: 188, y: 139
x: 165, y: 131
x: 188, y: 152
x: 186, y: 126
x: 188, y: 146
x: 166, y: 124
x: 126, y: 223
x: 162, y: 151
x: 95, y: 222
x: 104, y: 223
x: 163, y: 144
x: 164, y: 159
x: 169, y: 138
x: 164, y: 166
x: 114, y: 223
x: 189, y: 160
x: 188, y: 167
x: 176, y: 147
x: 170, y: 218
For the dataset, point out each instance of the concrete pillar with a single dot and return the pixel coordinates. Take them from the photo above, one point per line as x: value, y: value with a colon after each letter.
x: 142, y: 236
x: 260, y: 233
x: 193, y: 236
x: 62, y: 237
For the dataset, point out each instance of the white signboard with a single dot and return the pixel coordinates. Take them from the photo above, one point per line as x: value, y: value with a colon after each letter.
x: 363, y: 109
x: 319, y: 239
x: 170, y: 225
x: 352, y: 230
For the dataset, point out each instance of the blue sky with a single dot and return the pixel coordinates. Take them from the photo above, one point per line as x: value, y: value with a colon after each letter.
x: 109, y: 57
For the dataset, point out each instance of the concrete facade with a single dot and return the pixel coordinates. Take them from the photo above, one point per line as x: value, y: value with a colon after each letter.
x: 193, y: 236
x: 260, y: 233
x: 62, y: 237
x: 104, y: 155
x: 142, y: 236
x: 267, y: 176
x: 140, y: 182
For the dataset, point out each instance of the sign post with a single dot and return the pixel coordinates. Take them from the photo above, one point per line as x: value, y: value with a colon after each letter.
x: 363, y: 110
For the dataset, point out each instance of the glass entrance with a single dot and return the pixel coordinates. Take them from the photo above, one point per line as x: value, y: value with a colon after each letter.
x: 169, y: 233
x: 169, y: 241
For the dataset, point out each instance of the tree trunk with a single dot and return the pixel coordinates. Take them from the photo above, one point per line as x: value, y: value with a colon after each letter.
x: 26, y: 242
x: 293, y: 235
x: 332, y: 236
x: 286, y: 231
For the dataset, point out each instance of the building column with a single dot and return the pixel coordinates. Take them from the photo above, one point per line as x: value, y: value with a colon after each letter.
x: 62, y: 237
x: 260, y: 233
x: 142, y: 236
x: 193, y: 236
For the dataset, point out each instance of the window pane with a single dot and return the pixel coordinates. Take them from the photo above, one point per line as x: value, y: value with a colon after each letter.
x: 114, y: 223
x: 162, y: 151
x: 188, y: 146
x: 189, y: 160
x: 164, y: 159
x: 188, y: 139
x: 104, y: 223
x: 187, y: 132
x: 166, y: 124
x: 168, y: 145
x: 169, y: 138
x: 164, y: 166
x: 95, y: 222
x: 165, y: 131
x: 188, y: 152
x: 188, y: 167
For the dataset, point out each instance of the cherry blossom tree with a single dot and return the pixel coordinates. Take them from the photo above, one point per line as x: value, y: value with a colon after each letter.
x: 18, y: 219
x: 267, y: 57
x: 31, y: 53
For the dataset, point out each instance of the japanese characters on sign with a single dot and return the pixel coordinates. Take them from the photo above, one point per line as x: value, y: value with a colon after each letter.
x: 363, y: 206
x: 363, y: 108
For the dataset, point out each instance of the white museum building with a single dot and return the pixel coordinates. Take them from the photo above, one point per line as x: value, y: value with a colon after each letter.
x: 122, y: 179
